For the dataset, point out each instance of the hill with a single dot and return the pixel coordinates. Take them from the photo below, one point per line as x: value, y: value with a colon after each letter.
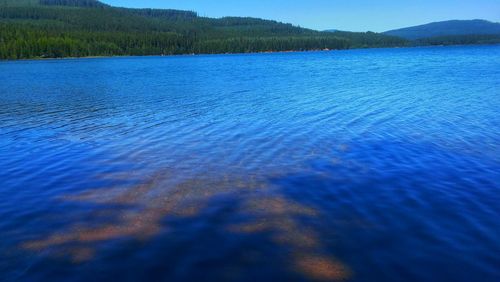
x: 447, y: 28
x: 77, y: 28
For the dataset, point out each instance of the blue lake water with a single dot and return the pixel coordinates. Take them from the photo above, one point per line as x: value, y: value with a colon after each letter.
x: 361, y: 165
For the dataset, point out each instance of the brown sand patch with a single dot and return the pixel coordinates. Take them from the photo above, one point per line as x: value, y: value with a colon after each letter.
x: 321, y: 268
x: 279, y: 216
x: 276, y: 205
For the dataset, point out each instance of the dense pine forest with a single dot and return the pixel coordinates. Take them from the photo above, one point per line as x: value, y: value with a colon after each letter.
x: 80, y: 28
x: 459, y: 40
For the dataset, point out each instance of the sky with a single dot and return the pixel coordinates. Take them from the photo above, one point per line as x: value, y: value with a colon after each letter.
x: 351, y: 15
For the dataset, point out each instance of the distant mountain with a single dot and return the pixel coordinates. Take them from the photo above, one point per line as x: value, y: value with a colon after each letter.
x: 447, y: 28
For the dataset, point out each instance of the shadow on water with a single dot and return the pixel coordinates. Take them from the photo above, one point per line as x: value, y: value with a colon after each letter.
x: 256, y: 227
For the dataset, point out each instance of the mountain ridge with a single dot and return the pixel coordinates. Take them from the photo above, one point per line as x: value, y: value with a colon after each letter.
x: 447, y: 28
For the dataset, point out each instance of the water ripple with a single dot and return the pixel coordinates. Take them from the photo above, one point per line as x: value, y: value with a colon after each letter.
x: 363, y: 165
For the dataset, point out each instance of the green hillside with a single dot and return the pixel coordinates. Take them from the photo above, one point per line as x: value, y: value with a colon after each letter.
x: 77, y: 28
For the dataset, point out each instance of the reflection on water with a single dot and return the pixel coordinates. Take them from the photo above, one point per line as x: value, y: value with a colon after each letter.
x: 366, y: 165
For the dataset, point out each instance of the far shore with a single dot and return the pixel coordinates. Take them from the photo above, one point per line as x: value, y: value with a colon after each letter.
x: 179, y: 55
x: 245, y: 53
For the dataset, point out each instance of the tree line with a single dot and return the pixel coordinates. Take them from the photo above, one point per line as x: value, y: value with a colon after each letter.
x: 79, y: 28
x: 27, y: 41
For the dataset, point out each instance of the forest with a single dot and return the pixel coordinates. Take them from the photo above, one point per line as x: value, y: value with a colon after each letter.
x: 81, y: 28
x: 467, y: 39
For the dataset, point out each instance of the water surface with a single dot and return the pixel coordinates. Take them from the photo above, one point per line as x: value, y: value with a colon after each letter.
x: 362, y: 165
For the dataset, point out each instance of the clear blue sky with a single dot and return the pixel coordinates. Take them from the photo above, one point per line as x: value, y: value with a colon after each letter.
x: 354, y: 15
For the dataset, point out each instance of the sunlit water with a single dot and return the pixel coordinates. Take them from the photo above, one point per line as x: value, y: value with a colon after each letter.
x: 363, y: 165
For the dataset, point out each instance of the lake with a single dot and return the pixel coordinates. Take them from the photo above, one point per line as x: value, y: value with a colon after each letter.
x: 360, y: 165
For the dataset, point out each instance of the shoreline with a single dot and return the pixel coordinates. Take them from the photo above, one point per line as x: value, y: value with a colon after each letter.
x: 181, y: 55
x: 245, y: 53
